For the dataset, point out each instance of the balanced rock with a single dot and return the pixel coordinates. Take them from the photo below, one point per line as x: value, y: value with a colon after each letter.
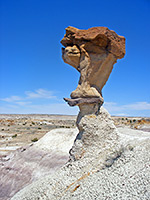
x: 103, y: 163
x: 93, y: 53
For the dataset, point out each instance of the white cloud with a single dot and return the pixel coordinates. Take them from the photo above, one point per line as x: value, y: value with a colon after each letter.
x: 128, y: 109
x: 12, y: 99
x: 41, y: 109
x: 138, y: 106
x: 26, y: 104
x: 135, y: 106
x: 37, y: 94
x: 112, y: 107
x: 23, y: 103
x: 56, y: 108
x: 121, y: 114
x: 40, y: 93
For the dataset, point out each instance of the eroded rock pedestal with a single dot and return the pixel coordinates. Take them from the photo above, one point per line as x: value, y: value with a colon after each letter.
x: 93, y: 53
x: 103, y: 163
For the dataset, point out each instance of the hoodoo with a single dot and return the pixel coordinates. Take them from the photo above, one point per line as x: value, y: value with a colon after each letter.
x: 103, y: 162
x: 93, y: 53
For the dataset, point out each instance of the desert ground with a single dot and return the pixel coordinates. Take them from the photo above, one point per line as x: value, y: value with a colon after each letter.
x: 19, y: 130
x: 33, y: 146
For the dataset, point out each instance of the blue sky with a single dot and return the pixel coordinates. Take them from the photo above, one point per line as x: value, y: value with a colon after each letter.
x: 33, y: 76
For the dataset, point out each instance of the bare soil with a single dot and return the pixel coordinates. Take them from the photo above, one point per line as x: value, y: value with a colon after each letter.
x: 19, y: 130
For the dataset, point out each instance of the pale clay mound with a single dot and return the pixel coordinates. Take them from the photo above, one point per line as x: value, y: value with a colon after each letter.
x: 104, y: 164
x: 29, y: 163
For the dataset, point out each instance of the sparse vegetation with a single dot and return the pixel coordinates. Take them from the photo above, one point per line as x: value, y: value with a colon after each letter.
x: 34, y: 140
x: 67, y: 127
x: 14, y: 136
x: 64, y: 126
x: 28, y: 129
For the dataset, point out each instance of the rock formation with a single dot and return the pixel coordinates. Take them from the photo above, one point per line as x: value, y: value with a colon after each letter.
x: 103, y: 163
x: 93, y: 53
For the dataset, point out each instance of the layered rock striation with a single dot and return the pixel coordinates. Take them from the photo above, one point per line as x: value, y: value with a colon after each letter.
x: 93, y: 53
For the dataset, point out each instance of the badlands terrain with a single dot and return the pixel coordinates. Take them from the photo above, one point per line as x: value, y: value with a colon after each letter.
x: 35, y: 146
x: 89, y: 156
x: 19, y: 130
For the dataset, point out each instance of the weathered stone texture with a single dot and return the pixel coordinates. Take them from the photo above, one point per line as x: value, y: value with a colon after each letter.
x: 104, y: 164
x: 93, y: 53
